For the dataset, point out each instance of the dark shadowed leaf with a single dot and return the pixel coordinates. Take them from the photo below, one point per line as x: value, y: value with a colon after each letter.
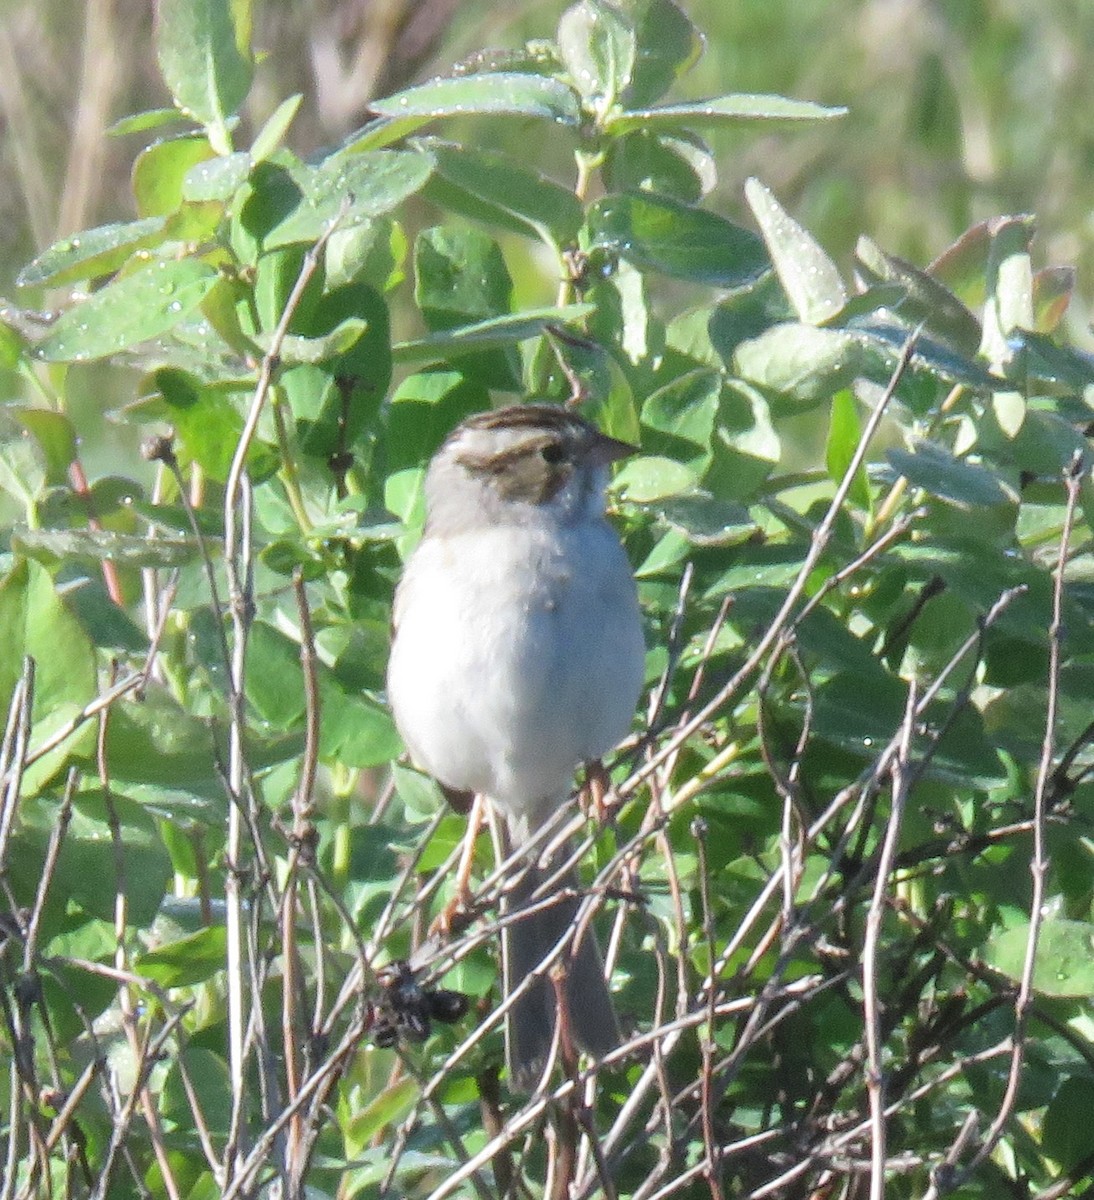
x: 664, y: 235
x: 499, y: 331
x: 492, y: 188
x: 667, y: 45
x: 190, y: 960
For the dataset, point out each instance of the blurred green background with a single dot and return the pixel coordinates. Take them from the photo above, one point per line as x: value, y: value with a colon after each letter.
x: 959, y: 109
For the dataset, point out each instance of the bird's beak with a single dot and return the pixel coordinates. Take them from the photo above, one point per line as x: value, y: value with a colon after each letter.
x: 608, y: 450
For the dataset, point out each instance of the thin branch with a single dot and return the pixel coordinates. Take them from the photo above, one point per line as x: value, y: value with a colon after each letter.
x: 875, y: 1084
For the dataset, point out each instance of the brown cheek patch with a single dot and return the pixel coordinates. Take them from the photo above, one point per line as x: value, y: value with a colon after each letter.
x: 521, y: 474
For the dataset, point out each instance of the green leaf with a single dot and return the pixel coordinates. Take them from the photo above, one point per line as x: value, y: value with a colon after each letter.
x: 158, y: 742
x: 160, y: 172
x: 217, y: 178
x: 1065, y: 1130
x: 803, y: 361
x: 1009, y: 303
x: 860, y: 709
x: 34, y: 622
x: 938, y: 472
x: 152, y: 118
x: 201, y: 46
x: 844, y: 434
x: 384, y: 1110
x: 596, y: 41
x: 372, y: 252
x: 292, y: 348
x: 356, y: 729
x: 274, y: 676
x: 335, y: 403
x: 349, y: 188
x: 667, y: 45
x: 925, y: 299
x: 23, y: 467
x: 1064, y: 965
x: 961, y: 267
x: 460, y: 276
x: 746, y: 447
x: 1052, y: 291
x: 108, y: 626
x: 129, y: 310
x: 208, y: 1075
x: 664, y: 235
x: 1038, y: 358
x: 490, y: 187
x: 425, y: 408
x: 647, y: 478
x: 12, y: 343
x: 684, y: 411
x: 499, y: 331
x: 671, y: 164
x: 208, y: 424
x: 937, y: 357
x: 723, y: 110
x: 54, y: 433
x: 94, y: 546
x: 99, y: 251
x: 706, y: 520
x: 585, y: 366
x: 192, y: 959
x: 88, y: 862
x: 809, y: 277
x: 499, y: 93
x: 272, y: 134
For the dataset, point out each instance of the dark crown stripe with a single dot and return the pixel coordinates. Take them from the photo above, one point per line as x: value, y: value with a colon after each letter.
x: 527, y: 415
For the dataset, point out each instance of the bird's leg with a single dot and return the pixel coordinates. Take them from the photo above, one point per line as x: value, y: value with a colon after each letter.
x: 457, y: 913
x: 594, y: 791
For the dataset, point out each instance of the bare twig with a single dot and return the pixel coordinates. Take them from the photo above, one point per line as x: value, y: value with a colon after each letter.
x: 875, y: 1084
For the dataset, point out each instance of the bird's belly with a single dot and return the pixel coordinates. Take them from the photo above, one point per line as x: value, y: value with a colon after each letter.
x: 519, y: 666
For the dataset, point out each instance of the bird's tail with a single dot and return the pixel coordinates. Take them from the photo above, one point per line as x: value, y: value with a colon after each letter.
x: 529, y: 939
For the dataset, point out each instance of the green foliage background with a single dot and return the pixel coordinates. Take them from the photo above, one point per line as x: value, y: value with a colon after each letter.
x: 846, y: 875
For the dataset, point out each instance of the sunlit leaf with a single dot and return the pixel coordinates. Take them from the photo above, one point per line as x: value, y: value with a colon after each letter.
x: 1064, y: 965
x: 503, y: 93
x: 203, y: 53
x: 809, y: 277
x: 597, y: 43
x: 93, y: 252
x: 129, y: 310
x: 722, y: 110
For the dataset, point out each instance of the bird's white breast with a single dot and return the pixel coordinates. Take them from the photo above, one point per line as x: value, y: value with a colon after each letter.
x: 518, y: 654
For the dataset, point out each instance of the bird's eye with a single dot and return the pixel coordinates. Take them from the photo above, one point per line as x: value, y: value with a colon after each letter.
x: 552, y: 454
